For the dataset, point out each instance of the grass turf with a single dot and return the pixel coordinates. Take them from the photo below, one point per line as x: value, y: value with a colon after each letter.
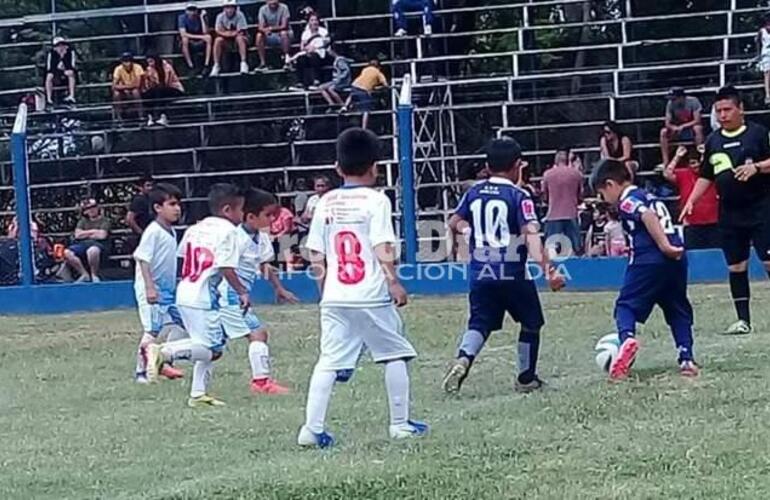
x: 73, y: 425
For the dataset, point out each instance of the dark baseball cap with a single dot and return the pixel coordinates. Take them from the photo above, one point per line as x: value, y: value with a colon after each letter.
x: 676, y: 92
x: 126, y: 57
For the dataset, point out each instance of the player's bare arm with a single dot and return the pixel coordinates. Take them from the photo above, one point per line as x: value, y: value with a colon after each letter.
x: 151, y: 292
x: 386, y: 254
x: 318, y: 269
x: 537, y: 253
x: 281, y: 293
x: 701, y: 186
x: 235, y: 282
x: 652, y: 223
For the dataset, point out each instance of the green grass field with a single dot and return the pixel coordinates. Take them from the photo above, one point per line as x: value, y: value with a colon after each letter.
x: 73, y: 425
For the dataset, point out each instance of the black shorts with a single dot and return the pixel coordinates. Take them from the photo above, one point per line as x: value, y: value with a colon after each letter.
x: 490, y: 300
x: 738, y: 240
x: 702, y: 237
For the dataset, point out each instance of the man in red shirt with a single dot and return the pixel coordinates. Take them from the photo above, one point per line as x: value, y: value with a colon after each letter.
x: 701, y: 230
x: 281, y: 230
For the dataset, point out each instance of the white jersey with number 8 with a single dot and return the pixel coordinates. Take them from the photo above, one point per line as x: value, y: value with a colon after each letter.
x: 347, y: 224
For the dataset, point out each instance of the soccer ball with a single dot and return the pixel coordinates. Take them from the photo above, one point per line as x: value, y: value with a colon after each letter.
x: 606, y: 350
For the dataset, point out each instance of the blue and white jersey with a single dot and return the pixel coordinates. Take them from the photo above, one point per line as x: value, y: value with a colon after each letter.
x: 252, y: 250
x: 157, y: 247
x: 497, y: 211
x: 633, y: 203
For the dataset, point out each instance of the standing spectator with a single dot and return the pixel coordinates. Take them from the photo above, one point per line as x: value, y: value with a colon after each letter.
x: 139, y: 214
x: 313, y: 52
x: 596, y: 237
x: 273, y: 30
x: 562, y: 189
x: 194, y: 35
x: 701, y: 229
x: 90, y: 246
x: 614, y: 236
x: 371, y: 77
x: 683, y: 121
x: 763, y: 49
x: 321, y: 186
x: 341, y: 79
x: 126, y: 85
x: 616, y: 145
x: 160, y: 84
x: 231, y: 33
x: 399, y: 8
x: 60, y: 66
x: 300, y: 199
x: 280, y: 228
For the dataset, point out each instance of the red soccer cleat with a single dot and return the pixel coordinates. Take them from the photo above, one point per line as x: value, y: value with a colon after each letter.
x: 621, y: 365
x: 170, y: 372
x: 689, y: 369
x: 267, y: 386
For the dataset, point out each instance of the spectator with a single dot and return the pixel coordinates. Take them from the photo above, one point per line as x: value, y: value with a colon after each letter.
x: 273, y: 30
x: 321, y: 186
x: 194, y: 35
x: 371, y: 77
x: 139, y: 214
x: 60, y: 66
x: 282, y: 226
x: 160, y: 84
x: 313, y: 53
x: 300, y: 199
x: 562, y: 189
x: 700, y: 230
x: 231, y: 33
x: 126, y: 85
x: 683, y: 121
x: 614, y: 236
x: 341, y: 79
x: 90, y: 247
x: 763, y: 49
x: 616, y: 145
x: 399, y: 7
x: 596, y: 237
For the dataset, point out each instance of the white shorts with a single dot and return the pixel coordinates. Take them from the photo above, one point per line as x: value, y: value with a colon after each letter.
x: 154, y: 317
x: 237, y: 324
x: 345, y: 330
x: 204, y: 326
x: 764, y: 63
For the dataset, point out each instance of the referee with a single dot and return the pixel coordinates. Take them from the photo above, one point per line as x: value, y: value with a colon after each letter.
x: 737, y: 158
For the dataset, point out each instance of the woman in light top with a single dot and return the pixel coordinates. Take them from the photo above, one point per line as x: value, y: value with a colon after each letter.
x: 763, y: 47
x: 313, y: 53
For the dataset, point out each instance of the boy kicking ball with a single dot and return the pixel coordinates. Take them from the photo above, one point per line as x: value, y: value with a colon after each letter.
x: 656, y: 273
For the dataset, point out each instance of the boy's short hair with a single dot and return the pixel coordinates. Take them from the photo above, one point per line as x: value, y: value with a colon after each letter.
x: 223, y: 194
x: 502, y: 154
x: 163, y: 192
x: 256, y: 200
x: 609, y: 170
x: 357, y: 150
x: 144, y: 179
x: 731, y: 93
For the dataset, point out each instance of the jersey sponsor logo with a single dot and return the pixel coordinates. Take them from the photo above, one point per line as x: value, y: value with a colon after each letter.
x: 528, y: 209
x: 630, y: 205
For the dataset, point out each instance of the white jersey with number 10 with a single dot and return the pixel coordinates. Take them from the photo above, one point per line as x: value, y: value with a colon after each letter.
x: 347, y: 224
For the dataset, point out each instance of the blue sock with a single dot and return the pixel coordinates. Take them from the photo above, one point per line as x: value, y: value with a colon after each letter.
x: 625, y: 320
x: 682, y: 333
x: 529, y: 348
x: 471, y: 344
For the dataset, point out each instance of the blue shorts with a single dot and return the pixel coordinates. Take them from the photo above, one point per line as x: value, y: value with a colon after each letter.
x: 362, y: 99
x: 490, y: 300
x: 664, y: 284
x: 80, y: 249
x: 273, y: 39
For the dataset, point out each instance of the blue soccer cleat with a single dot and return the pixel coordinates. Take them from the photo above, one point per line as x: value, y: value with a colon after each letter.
x: 312, y: 439
x: 411, y: 429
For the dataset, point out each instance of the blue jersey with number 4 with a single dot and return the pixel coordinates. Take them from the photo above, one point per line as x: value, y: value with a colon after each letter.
x: 497, y: 210
x: 634, y: 202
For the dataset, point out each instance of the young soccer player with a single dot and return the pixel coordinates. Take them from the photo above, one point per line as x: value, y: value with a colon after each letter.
x: 209, y: 253
x: 656, y: 273
x: 155, y: 282
x: 254, y: 254
x: 498, y: 218
x: 351, y: 243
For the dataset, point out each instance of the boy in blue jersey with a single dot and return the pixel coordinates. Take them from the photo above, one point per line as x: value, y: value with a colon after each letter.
x: 498, y: 218
x: 155, y: 281
x: 656, y: 273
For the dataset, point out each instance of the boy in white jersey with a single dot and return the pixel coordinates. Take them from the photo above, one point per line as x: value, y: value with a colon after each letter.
x: 255, y: 252
x: 155, y: 281
x: 351, y: 241
x: 209, y: 255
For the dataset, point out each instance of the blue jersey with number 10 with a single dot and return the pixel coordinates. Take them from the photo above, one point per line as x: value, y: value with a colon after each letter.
x: 634, y: 202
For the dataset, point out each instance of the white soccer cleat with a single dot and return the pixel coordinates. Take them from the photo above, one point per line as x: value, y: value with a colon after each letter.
x: 311, y: 439
x: 411, y: 429
x: 740, y: 327
x: 154, y: 362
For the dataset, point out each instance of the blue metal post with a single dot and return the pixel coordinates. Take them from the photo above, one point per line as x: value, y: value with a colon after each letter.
x: 406, y: 168
x: 23, y: 215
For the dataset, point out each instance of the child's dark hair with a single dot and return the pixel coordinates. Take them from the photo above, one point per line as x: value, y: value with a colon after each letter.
x: 357, y: 150
x: 257, y: 200
x: 502, y: 154
x: 162, y: 192
x: 609, y: 170
x: 141, y: 181
x: 731, y: 93
x: 223, y: 194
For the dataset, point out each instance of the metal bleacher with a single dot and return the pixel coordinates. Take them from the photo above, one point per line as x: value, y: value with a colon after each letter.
x: 506, y: 66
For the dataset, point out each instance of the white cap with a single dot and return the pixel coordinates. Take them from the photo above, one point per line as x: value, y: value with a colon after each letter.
x: 57, y: 40
x: 229, y: 3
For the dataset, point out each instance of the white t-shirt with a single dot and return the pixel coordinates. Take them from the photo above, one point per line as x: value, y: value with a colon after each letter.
x: 312, y: 202
x: 347, y: 224
x: 320, y: 40
x: 206, y: 248
x: 157, y: 247
x: 253, y: 250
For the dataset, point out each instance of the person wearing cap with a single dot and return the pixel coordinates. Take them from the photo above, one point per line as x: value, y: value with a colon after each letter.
x: 683, y: 121
x: 194, y: 35
x: 273, y: 30
x: 126, y: 84
x: 231, y: 31
x: 90, y: 242
x: 60, y: 66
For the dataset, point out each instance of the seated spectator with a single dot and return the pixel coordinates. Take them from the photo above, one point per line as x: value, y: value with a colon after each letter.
x: 231, y: 34
x: 614, y: 236
x: 562, y: 188
x: 683, y: 121
x: 763, y: 54
x: 614, y: 144
x: 399, y: 8
x: 313, y: 53
x: 90, y: 243
x: 60, y: 66
x: 139, y: 215
x: 194, y: 35
x: 159, y: 85
x: 341, y: 79
x: 126, y: 85
x: 371, y: 77
x: 700, y: 229
x: 321, y: 186
x: 273, y: 30
x: 280, y: 229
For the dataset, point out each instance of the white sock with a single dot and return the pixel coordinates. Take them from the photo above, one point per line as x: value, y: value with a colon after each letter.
x: 259, y: 357
x: 185, y: 350
x: 202, y: 372
x: 319, y: 393
x: 397, y: 384
x: 141, y: 354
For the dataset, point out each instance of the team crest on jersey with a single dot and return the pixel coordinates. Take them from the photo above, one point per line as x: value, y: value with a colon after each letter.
x: 528, y: 209
x: 629, y: 205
